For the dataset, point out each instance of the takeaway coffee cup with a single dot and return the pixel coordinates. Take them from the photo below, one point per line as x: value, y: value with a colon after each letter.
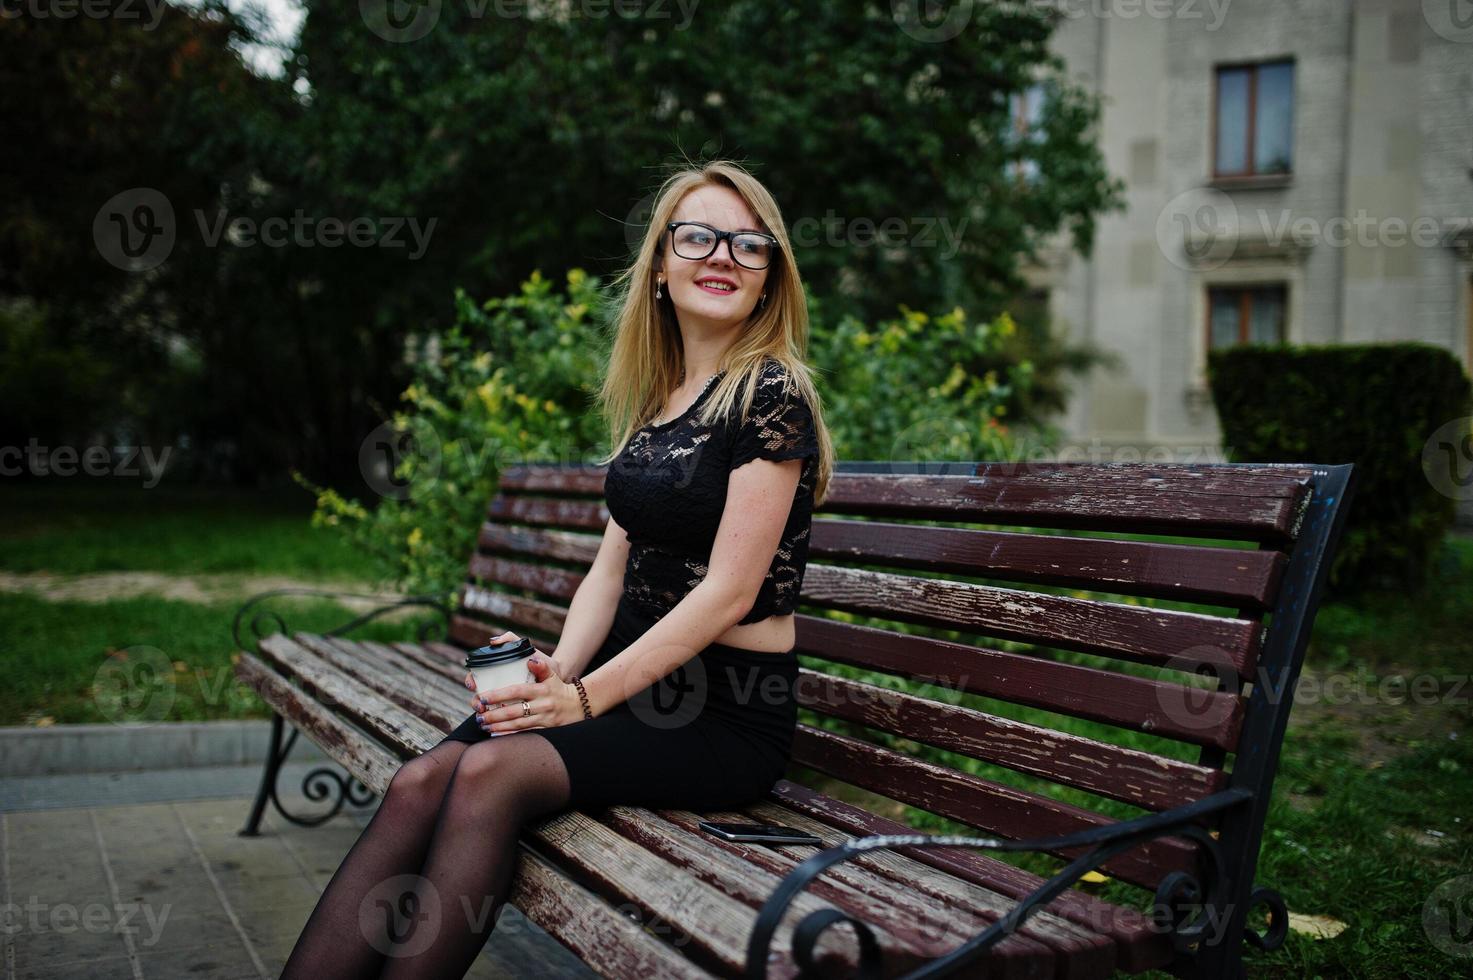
x: 501, y: 665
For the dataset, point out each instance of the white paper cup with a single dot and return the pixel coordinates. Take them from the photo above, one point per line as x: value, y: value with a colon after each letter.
x: 504, y: 672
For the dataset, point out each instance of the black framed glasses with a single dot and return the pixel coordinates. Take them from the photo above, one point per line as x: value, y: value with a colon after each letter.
x: 693, y: 240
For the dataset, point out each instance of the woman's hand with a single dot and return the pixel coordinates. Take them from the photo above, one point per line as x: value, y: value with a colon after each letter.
x: 553, y: 701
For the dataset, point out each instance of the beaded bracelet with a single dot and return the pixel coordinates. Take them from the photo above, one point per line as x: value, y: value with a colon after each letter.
x: 582, y: 696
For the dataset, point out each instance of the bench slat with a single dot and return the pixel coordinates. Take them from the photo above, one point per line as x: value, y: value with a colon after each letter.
x: 1139, y: 945
x: 706, y: 923
x: 1083, y: 952
x: 436, y: 662
x: 399, y: 729
x: 1080, y: 953
x: 530, y: 614
x: 1252, y: 479
x: 382, y: 667
x: 354, y: 750
x: 1092, y: 498
x: 1139, y: 633
x: 452, y: 653
x: 1186, y: 573
x: 580, y: 549
x: 570, y: 478
x: 419, y: 691
x: 603, y: 938
x: 1253, y: 503
x: 978, y: 802
x: 1137, y: 703
x: 524, y: 575
x: 908, y: 928
x: 472, y: 633
x: 588, y: 514
x: 1159, y: 707
x: 1131, y: 776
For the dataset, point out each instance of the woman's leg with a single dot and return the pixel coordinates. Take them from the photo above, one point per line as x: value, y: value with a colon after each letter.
x: 498, y: 786
x: 348, y: 933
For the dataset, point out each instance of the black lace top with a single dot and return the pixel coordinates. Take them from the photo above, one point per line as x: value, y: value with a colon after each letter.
x: 667, y: 490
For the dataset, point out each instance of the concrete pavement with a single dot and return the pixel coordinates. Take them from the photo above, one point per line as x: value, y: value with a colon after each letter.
x: 142, y: 874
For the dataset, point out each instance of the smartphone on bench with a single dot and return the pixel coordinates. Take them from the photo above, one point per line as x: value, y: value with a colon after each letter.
x: 758, y: 833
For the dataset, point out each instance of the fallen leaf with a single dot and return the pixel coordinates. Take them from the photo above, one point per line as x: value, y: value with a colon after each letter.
x: 45, y: 721
x: 1316, y: 926
x: 1094, y: 878
x: 180, y: 666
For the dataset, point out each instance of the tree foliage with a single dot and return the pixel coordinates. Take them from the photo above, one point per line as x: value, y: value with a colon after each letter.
x: 518, y: 139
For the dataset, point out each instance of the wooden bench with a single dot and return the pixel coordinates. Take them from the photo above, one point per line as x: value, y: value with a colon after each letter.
x: 1120, y: 762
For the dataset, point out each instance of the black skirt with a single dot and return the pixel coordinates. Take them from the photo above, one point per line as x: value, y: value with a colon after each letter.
x: 712, y: 734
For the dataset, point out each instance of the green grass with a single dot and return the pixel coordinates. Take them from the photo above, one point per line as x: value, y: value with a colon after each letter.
x: 90, y: 528
x: 1355, y: 847
x: 82, y: 663
x: 62, y: 656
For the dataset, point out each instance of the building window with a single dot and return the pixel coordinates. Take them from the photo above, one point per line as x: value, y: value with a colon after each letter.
x: 1246, y: 315
x: 1025, y: 116
x: 1253, y: 124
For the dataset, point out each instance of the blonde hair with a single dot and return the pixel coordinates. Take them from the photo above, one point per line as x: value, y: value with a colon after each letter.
x: 645, y: 361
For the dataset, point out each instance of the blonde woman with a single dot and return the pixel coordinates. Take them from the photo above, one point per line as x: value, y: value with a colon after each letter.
x: 672, y: 681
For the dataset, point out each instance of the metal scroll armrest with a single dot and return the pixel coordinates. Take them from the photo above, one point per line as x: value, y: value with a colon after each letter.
x: 426, y: 632
x: 1176, y: 890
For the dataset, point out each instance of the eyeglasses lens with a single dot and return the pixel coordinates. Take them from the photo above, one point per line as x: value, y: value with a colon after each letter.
x: 698, y: 242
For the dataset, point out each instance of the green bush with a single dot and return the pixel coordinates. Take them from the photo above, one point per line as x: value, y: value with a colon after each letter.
x: 1374, y: 405
x: 515, y: 380
x: 920, y: 387
x: 512, y: 381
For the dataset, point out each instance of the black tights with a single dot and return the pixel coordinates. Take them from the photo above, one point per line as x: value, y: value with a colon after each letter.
x: 421, y: 889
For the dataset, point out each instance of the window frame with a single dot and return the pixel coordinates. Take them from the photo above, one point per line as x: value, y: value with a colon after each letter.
x: 1244, y: 292
x: 1250, y: 149
x: 1022, y: 131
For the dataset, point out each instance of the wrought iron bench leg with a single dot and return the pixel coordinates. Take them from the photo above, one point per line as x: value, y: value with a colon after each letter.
x: 316, y: 785
x: 268, y: 779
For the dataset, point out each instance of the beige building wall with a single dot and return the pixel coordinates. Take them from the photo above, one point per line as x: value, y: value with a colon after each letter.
x: 1382, y: 146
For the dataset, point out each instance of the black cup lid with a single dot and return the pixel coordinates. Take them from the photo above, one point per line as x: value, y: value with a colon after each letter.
x: 498, y: 653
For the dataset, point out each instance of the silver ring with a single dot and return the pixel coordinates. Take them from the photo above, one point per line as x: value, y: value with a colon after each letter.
x: 526, y: 710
